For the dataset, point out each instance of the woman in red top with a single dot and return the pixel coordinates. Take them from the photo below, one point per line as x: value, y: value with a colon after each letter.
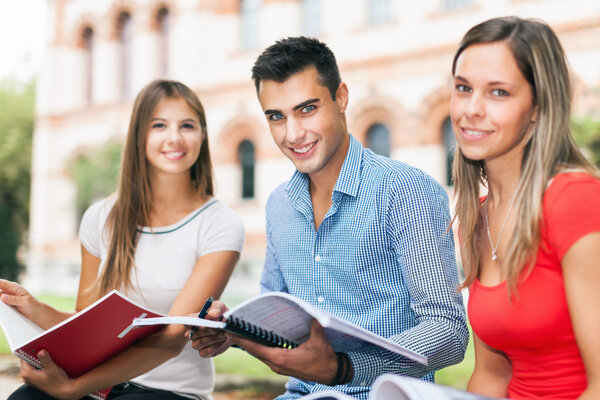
x: 531, y: 245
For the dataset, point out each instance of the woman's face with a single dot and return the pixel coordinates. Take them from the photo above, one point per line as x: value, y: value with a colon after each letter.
x: 174, y: 138
x: 492, y: 107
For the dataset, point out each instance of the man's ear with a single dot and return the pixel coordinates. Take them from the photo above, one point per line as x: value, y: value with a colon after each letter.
x: 341, y: 97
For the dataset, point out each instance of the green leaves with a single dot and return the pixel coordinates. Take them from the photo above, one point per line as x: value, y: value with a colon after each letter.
x: 16, y: 132
x: 96, y: 174
x: 586, y: 131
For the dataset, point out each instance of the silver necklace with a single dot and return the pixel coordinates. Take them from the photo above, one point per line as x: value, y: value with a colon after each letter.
x: 487, y: 225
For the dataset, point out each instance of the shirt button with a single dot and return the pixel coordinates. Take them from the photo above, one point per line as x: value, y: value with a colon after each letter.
x: 320, y: 299
x: 317, y: 258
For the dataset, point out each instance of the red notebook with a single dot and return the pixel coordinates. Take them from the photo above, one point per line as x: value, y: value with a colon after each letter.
x: 82, y: 341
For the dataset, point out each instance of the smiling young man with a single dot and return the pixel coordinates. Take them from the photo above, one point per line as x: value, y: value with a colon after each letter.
x: 353, y: 233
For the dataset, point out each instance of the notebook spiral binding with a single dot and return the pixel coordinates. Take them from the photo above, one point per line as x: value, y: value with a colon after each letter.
x: 268, y: 337
x: 28, y: 358
x: 96, y: 396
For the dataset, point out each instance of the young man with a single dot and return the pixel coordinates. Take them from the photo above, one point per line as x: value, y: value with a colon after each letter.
x: 356, y: 234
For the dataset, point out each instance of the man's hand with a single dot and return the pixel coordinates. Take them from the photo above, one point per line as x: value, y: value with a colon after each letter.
x: 314, y: 360
x: 211, y: 342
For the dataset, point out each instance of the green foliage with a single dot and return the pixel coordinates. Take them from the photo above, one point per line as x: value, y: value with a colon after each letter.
x: 9, y: 243
x: 16, y: 132
x: 586, y: 131
x: 96, y: 174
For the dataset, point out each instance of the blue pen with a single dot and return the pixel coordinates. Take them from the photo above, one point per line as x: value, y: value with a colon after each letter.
x: 201, y: 314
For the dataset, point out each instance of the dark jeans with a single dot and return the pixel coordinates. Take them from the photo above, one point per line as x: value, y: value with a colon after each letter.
x: 122, y: 391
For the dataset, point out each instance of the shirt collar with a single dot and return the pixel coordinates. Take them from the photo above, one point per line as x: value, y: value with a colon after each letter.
x: 349, y: 178
x: 347, y: 182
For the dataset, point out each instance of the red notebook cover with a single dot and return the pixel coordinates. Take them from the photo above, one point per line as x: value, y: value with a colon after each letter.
x: 91, y: 336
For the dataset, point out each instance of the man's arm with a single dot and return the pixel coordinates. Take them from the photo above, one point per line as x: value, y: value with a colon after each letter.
x: 417, y: 225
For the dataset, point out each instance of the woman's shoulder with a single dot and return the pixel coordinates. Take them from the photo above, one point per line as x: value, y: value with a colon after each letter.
x: 577, y: 182
x: 220, y: 213
x: 99, y: 210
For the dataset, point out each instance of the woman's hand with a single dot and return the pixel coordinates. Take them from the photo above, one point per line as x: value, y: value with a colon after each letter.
x: 211, y: 342
x: 15, y: 295
x: 51, y: 379
x: 34, y: 310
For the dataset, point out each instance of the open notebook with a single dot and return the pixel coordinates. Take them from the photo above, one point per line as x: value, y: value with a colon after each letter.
x: 397, y: 387
x: 82, y: 341
x: 279, y: 319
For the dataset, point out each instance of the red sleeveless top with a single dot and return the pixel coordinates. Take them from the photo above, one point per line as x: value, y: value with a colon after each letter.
x: 535, y: 330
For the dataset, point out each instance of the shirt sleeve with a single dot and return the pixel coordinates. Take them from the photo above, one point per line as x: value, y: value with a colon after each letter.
x: 271, y: 278
x: 223, y: 231
x: 571, y: 210
x: 418, y: 226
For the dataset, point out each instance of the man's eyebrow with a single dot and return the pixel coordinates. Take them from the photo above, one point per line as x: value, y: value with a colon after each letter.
x: 305, y: 103
x: 296, y: 107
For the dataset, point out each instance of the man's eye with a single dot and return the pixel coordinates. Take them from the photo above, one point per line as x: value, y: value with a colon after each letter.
x: 308, y: 108
x: 275, y: 117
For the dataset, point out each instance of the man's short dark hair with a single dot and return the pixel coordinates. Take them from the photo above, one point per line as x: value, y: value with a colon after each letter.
x: 294, y: 54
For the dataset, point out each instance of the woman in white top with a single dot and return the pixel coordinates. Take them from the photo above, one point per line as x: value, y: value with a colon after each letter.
x: 163, y: 241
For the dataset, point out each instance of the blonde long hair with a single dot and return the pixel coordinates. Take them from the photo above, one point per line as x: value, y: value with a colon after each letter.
x: 550, y: 148
x: 134, y: 195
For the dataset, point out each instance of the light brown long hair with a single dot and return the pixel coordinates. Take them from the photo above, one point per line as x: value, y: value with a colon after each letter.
x: 549, y: 149
x: 134, y: 195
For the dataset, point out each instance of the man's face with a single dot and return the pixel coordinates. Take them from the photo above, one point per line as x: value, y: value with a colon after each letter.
x: 306, y: 123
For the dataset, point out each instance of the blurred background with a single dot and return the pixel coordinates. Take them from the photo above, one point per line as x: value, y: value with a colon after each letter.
x: 69, y: 70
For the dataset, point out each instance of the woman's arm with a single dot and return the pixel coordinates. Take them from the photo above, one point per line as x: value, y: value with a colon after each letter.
x: 40, y: 313
x: 208, y: 278
x: 492, y: 371
x: 87, y: 279
x: 581, y: 272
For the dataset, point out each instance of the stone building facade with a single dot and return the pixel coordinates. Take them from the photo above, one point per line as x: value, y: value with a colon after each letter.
x: 395, y: 56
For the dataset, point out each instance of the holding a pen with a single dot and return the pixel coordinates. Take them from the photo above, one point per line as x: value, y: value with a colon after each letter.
x: 201, y: 314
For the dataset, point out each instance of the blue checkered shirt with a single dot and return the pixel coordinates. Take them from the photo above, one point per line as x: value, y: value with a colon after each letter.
x: 381, y: 259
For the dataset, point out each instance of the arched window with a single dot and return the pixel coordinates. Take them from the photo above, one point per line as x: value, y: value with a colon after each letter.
x: 378, y: 139
x: 249, y: 13
x: 449, y: 145
x: 379, y: 11
x: 125, y: 38
x: 246, y: 158
x: 163, y: 23
x: 87, y: 39
x: 311, y: 18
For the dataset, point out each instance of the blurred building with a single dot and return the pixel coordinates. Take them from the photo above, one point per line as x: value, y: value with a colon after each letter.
x: 395, y: 56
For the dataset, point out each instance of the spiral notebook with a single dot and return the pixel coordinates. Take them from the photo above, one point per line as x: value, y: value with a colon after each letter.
x: 279, y: 319
x: 81, y: 342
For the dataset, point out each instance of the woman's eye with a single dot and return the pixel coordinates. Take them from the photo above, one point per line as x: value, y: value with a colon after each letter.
x: 500, y: 92
x: 188, y: 126
x: 463, y: 88
x: 158, y: 125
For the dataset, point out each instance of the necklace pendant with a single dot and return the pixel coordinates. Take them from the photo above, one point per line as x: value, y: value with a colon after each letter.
x: 494, y: 255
